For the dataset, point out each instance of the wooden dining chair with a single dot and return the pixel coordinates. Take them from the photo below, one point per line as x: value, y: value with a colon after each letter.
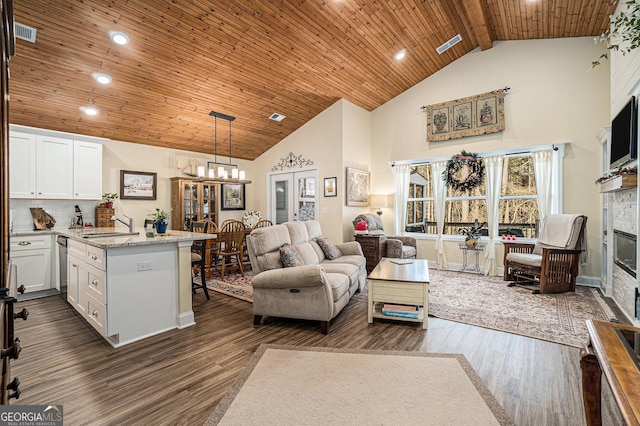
x: 261, y: 224
x: 230, y: 245
x: 198, y: 257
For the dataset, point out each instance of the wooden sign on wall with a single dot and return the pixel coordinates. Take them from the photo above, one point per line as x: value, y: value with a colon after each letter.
x: 470, y: 116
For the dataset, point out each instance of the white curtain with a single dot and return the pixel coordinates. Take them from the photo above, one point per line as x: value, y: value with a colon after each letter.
x: 401, y: 185
x: 439, y: 187
x: 543, y: 169
x: 493, y: 181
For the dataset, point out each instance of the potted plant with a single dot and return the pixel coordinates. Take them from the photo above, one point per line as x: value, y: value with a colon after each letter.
x: 472, y: 233
x: 108, y: 198
x: 486, y: 114
x: 160, y: 220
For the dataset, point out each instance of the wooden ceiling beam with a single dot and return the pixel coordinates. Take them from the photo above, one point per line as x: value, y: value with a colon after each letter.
x: 479, y: 23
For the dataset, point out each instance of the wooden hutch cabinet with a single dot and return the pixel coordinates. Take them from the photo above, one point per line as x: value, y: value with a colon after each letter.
x: 192, y: 200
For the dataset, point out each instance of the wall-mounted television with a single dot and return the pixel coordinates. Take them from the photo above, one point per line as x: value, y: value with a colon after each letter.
x: 624, y: 135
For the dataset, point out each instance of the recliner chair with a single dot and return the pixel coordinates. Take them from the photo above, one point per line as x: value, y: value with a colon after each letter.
x: 396, y: 246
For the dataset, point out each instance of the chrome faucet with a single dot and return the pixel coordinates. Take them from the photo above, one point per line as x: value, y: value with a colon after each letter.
x: 131, y: 223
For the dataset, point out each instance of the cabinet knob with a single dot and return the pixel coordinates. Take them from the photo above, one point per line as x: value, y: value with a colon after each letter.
x: 24, y: 243
x: 94, y: 257
x: 95, y: 313
x: 24, y: 313
x: 12, y: 351
x: 15, y: 383
x: 15, y: 394
x: 95, y: 282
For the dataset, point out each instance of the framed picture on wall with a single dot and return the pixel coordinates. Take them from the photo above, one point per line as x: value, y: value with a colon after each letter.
x: 330, y: 187
x: 138, y: 185
x: 232, y: 196
x: 357, y: 183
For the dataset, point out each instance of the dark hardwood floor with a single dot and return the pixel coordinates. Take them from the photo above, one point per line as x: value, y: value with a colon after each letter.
x: 178, y: 377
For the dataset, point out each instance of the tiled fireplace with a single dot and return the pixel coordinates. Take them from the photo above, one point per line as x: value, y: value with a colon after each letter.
x: 625, y: 229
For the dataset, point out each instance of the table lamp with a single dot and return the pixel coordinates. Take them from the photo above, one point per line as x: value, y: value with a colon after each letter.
x: 378, y: 202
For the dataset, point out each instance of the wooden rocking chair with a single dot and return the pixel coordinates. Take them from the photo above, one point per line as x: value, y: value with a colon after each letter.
x: 552, y: 262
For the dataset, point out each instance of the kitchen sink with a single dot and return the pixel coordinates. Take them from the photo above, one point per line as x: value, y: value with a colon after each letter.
x: 109, y: 234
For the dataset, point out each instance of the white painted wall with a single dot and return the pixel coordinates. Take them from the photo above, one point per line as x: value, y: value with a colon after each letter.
x: 552, y: 99
x: 118, y: 156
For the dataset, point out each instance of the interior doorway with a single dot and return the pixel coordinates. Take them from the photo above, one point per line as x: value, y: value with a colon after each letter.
x: 293, y: 196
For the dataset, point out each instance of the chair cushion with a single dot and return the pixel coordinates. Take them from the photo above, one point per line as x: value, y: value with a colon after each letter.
x: 408, y: 252
x: 331, y: 252
x: 528, y: 259
x: 339, y: 284
x: 290, y: 256
x: 195, y: 257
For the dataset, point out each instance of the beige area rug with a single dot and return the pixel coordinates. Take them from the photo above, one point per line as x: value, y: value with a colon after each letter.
x: 290, y: 385
x: 488, y: 302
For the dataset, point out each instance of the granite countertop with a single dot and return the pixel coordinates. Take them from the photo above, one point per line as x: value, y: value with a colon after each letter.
x: 32, y: 232
x: 131, y: 240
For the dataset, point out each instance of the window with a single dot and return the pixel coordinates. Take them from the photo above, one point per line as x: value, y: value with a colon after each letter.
x: 518, y: 198
x: 420, y: 207
x: 518, y: 208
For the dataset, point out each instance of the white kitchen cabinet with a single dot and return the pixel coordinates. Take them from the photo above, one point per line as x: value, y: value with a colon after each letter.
x: 86, y: 288
x: 54, y: 168
x: 32, y: 256
x: 48, y: 166
x: 87, y: 171
x: 22, y: 162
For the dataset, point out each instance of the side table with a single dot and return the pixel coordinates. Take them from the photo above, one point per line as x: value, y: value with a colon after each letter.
x: 373, y: 248
x: 476, y: 250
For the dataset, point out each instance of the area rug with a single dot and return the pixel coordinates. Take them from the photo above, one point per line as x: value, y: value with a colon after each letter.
x: 488, y: 302
x: 290, y: 385
x: 234, y: 285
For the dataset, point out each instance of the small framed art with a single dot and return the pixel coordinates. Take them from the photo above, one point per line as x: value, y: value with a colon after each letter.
x: 330, y: 187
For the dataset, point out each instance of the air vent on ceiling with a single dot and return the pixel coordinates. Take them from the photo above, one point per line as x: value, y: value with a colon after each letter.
x: 454, y: 40
x: 24, y: 32
x: 277, y: 117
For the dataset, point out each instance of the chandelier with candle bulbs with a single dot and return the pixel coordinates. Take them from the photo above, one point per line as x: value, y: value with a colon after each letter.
x: 221, y: 174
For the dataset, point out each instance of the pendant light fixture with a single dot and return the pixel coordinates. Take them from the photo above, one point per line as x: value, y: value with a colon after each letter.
x: 236, y: 174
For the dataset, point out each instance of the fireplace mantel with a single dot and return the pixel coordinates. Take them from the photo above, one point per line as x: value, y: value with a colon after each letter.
x: 619, y: 183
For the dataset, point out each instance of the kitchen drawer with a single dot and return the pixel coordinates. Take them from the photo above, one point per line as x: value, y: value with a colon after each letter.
x: 96, y: 284
x: 74, y: 248
x: 96, y: 315
x: 96, y: 257
x: 30, y: 242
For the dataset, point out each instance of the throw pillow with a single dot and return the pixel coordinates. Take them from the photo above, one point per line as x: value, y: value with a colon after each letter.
x: 290, y: 256
x: 331, y: 252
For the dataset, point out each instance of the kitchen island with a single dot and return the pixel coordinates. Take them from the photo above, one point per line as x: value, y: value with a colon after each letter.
x: 129, y: 287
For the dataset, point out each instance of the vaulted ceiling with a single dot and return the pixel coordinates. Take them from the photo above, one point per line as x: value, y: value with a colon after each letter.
x: 249, y: 59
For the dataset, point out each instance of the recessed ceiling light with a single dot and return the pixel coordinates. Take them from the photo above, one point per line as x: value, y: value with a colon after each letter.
x: 89, y: 110
x: 400, y: 54
x: 119, y: 37
x: 102, y: 78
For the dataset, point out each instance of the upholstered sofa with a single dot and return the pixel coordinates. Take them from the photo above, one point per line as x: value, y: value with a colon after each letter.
x: 316, y: 288
x: 396, y: 246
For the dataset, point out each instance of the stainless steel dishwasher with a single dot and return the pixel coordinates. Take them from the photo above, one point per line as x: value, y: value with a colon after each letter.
x: 62, y: 266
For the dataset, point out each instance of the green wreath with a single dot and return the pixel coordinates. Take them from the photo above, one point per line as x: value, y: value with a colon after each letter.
x: 464, y: 160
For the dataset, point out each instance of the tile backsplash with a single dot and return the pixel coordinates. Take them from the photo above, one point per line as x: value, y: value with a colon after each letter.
x: 63, y: 211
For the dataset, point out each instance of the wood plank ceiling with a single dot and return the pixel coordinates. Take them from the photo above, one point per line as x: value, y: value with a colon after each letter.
x: 249, y: 59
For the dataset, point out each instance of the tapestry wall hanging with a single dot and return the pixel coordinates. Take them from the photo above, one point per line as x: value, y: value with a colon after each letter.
x: 470, y: 116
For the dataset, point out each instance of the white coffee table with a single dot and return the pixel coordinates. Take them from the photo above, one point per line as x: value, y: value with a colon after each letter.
x: 405, y: 284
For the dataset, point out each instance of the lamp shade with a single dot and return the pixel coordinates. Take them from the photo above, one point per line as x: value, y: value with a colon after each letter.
x: 378, y: 201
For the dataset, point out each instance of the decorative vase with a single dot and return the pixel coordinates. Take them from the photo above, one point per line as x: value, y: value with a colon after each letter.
x: 161, y: 227
x: 486, y: 118
x: 109, y: 204
x: 471, y: 243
